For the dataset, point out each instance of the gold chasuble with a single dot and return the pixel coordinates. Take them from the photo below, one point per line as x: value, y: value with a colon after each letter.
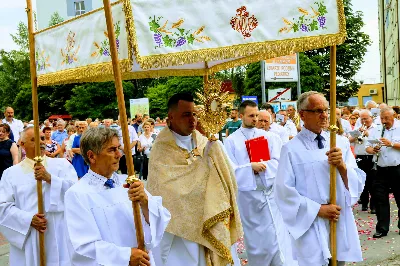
x: 199, y: 189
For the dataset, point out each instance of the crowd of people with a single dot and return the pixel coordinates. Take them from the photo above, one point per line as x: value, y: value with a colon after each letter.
x: 201, y: 195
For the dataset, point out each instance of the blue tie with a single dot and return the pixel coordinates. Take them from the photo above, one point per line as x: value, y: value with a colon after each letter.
x: 319, y: 139
x: 109, y: 183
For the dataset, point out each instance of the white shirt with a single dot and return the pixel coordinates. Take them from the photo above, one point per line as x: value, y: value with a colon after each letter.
x: 18, y: 205
x: 132, y: 137
x: 280, y: 131
x: 377, y: 121
x: 237, y: 152
x: 100, y: 223
x: 359, y: 149
x: 290, y: 128
x: 16, y: 127
x: 388, y: 156
x: 345, y: 125
x: 146, y: 142
x: 302, y: 185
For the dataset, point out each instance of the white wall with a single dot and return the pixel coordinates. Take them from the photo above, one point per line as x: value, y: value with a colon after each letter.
x: 46, y: 8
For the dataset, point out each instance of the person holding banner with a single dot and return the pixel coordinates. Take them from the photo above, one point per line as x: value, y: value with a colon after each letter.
x: 303, y: 188
x: 19, y: 221
x: 264, y: 233
x: 98, y: 209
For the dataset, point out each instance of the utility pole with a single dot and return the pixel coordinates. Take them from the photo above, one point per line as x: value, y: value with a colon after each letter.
x: 298, y: 76
x: 263, y: 96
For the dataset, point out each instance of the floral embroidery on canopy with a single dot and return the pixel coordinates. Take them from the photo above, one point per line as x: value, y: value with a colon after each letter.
x: 103, y: 49
x: 42, y: 61
x: 243, y: 23
x: 70, y: 52
x: 309, y: 20
x: 174, y: 36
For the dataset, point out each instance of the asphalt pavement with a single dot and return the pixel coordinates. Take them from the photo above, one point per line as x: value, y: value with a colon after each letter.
x: 376, y: 252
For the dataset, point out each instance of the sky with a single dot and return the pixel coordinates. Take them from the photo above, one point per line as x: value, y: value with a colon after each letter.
x: 13, y: 11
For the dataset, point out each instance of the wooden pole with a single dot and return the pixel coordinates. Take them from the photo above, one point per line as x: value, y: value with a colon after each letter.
x: 332, y: 169
x: 35, y: 106
x: 123, y: 117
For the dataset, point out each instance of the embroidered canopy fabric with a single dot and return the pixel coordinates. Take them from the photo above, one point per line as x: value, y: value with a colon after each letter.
x: 174, y: 37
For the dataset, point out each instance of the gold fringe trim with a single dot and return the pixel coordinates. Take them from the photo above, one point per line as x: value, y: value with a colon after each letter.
x: 269, y: 49
x: 224, y: 251
x: 75, y: 18
x: 93, y: 73
x: 130, y: 29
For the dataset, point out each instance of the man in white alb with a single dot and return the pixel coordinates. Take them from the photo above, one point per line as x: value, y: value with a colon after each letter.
x: 288, y: 124
x: 198, y: 187
x: 265, y: 122
x: 19, y: 221
x: 303, y: 185
x: 98, y: 209
x: 264, y: 233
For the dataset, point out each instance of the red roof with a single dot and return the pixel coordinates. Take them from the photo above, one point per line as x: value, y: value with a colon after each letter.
x: 53, y: 117
x: 226, y: 86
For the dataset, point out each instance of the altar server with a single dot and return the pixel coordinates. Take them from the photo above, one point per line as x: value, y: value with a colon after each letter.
x: 264, y: 233
x: 198, y: 186
x: 19, y: 221
x: 302, y: 188
x: 99, y: 214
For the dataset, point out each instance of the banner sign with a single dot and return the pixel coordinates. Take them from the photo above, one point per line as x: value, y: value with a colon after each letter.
x: 281, y: 69
x: 139, y: 106
x: 283, y: 94
x: 250, y: 98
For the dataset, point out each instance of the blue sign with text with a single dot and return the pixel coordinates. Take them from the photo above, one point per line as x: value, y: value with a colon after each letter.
x: 250, y: 98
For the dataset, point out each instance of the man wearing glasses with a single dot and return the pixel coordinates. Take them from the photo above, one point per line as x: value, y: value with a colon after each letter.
x: 303, y: 185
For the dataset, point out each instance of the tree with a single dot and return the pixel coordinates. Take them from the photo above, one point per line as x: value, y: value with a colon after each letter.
x: 14, y: 72
x: 97, y: 100
x: 160, y: 93
x: 350, y: 55
x: 21, y: 37
x: 55, y: 19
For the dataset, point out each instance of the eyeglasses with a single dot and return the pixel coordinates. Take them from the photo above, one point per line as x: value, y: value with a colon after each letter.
x: 262, y: 121
x: 318, y: 111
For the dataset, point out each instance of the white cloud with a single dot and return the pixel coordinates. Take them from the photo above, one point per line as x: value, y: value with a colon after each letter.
x: 13, y: 4
x: 6, y: 40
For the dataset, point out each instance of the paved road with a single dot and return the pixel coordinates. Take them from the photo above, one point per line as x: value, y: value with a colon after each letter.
x: 376, y: 252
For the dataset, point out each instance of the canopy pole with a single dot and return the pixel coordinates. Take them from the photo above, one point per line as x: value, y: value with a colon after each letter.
x: 123, y: 119
x: 333, y: 129
x: 35, y: 107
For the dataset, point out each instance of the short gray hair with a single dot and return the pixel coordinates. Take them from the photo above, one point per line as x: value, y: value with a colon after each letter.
x: 23, y: 133
x: 302, y: 102
x: 268, y: 113
x: 371, y: 102
x: 94, y: 139
x: 365, y: 111
x: 387, y: 109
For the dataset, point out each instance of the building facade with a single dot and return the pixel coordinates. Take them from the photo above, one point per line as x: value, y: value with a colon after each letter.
x: 389, y: 49
x: 367, y: 92
x: 67, y: 9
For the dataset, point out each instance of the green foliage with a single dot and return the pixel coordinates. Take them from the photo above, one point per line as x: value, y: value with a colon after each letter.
x: 23, y: 103
x: 14, y: 73
x: 350, y: 56
x: 21, y: 37
x: 97, y: 100
x: 55, y: 19
x: 160, y: 93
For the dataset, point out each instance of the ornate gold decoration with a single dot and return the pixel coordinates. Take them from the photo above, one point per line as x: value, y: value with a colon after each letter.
x: 333, y: 128
x: 132, y: 179
x: 38, y: 159
x: 211, y: 112
x: 251, y: 52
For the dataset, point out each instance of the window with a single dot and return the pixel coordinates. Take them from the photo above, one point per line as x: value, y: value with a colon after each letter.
x: 366, y: 99
x: 353, y: 101
x: 79, y: 8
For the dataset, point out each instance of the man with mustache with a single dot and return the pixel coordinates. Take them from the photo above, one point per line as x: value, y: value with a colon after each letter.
x: 19, y: 221
x: 303, y: 188
x: 16, y: 125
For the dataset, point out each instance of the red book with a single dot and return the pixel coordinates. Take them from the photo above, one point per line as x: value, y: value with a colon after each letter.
x: 258, y: 149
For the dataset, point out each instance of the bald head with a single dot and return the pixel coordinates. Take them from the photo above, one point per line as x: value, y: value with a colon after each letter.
x: 9, y: 114
x: 383, y: 105
x: 264, y: 120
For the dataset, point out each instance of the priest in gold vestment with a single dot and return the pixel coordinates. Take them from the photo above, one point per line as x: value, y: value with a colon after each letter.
x: 197, y: 184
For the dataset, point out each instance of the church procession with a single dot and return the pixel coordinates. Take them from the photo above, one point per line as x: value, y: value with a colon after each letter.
x: 282, y: 183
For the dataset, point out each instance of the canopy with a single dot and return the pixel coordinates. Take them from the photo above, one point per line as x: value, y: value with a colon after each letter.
x: 173, y: 37
x: 65, y: 117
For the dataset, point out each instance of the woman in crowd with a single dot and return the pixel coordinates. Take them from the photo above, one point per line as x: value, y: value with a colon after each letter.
x: 70, y: 130
x: 52, y: 147
x: 353, y: 120
x: 8, y: 149
x: 144, y: 145
x: 79, y: 164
